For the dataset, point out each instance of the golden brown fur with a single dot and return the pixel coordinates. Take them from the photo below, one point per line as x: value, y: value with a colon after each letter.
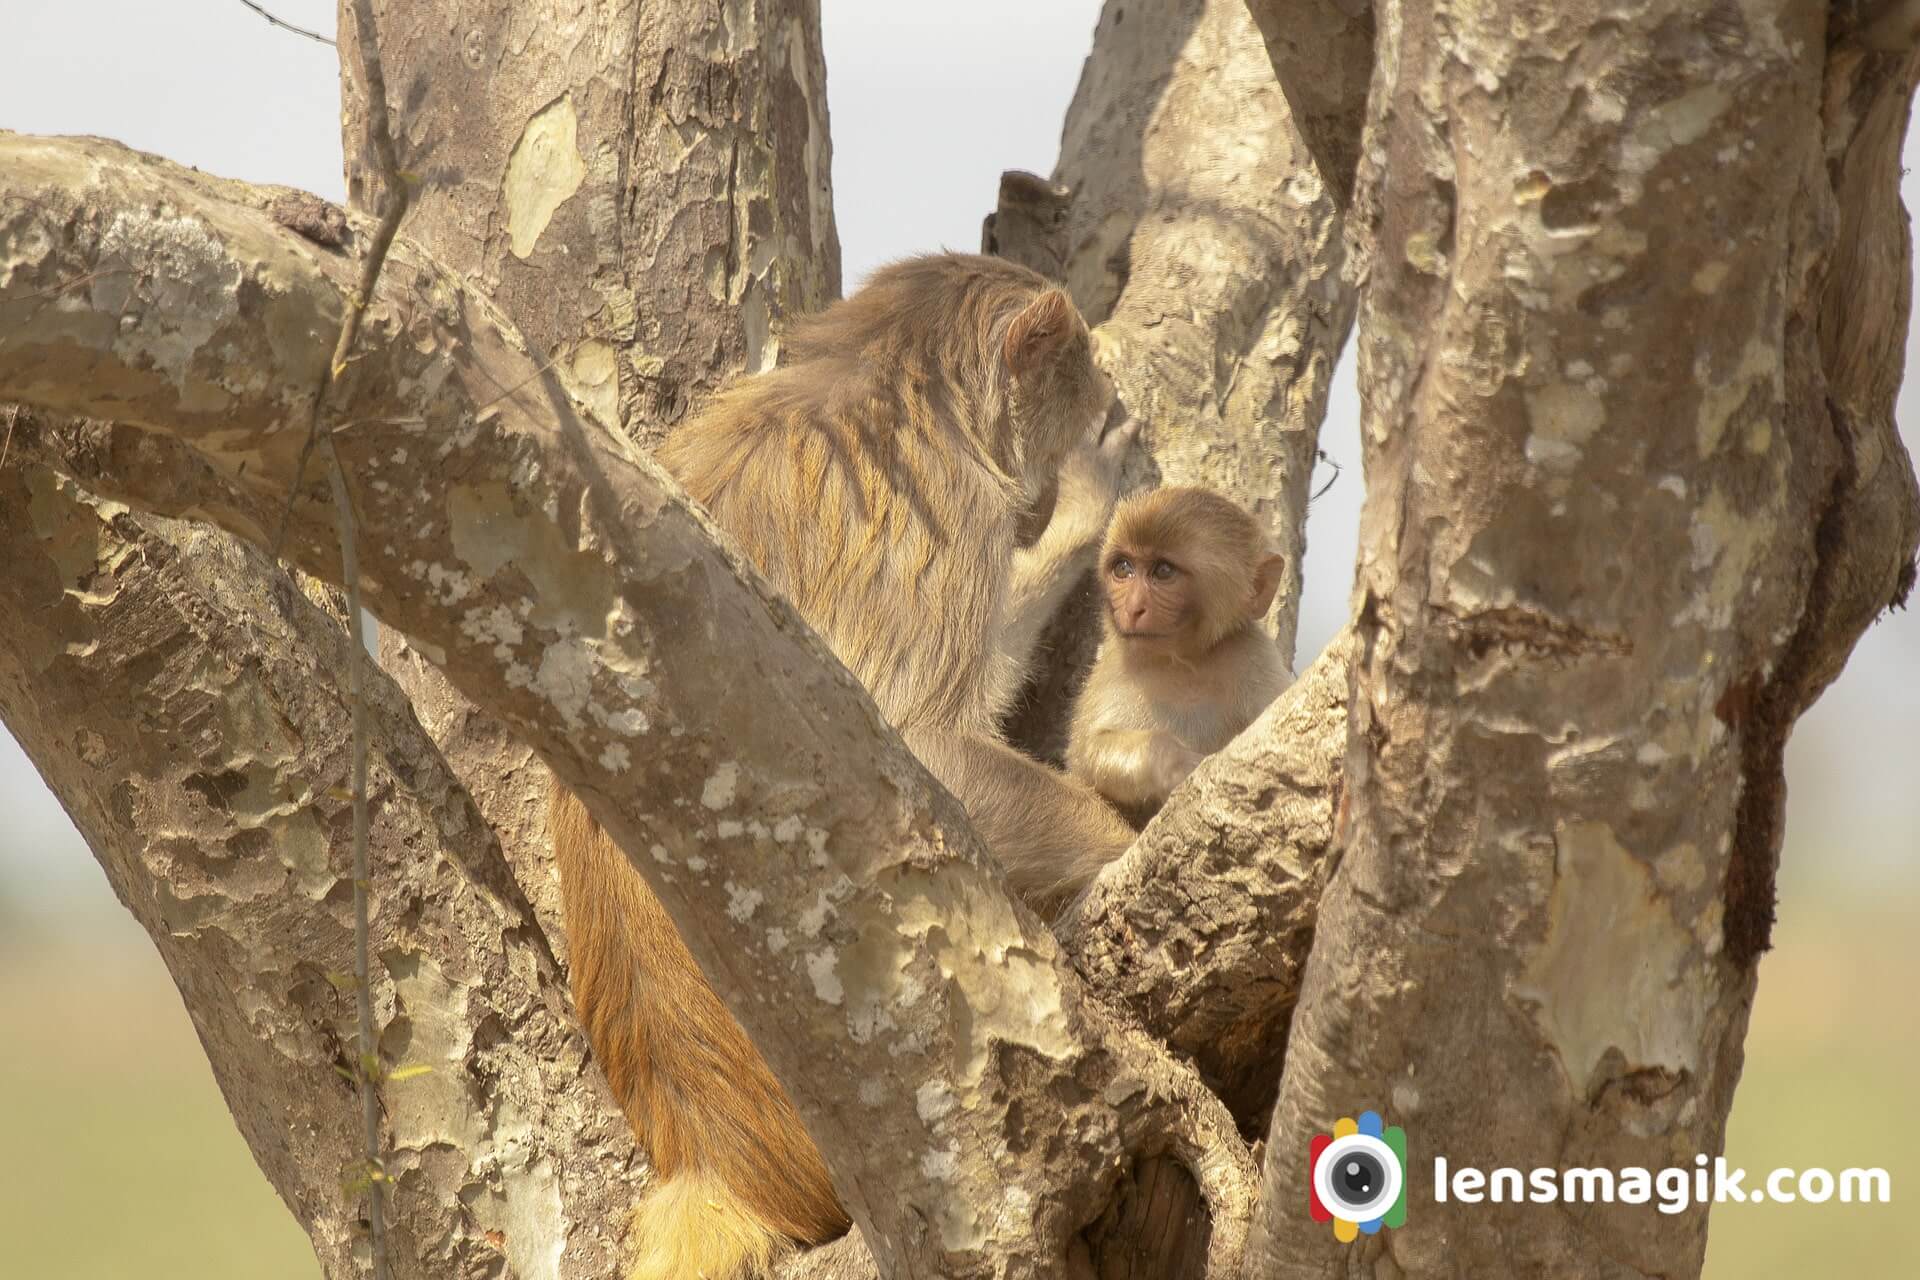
x: 734, y: 1170
x: 1186, y: 665
x: 878, y: 479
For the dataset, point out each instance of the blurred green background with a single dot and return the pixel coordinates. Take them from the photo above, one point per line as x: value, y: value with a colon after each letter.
x: 117, y: 1156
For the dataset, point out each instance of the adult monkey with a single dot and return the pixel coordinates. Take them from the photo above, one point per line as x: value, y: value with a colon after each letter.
x: 879, y: 479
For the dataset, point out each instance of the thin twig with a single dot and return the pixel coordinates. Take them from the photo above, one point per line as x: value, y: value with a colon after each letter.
x: 395, y: 197
x: 395, y: 209
x: 512, y: 391
x: 369, y: 1063
x: 65, y: 286
x: 284, y: 25
x: 1323, y: 456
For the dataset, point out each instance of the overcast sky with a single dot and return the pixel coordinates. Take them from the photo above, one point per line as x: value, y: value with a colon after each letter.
x: 929, y: 100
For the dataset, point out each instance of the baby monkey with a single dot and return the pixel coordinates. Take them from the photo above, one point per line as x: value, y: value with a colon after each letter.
x: 1186, y: 665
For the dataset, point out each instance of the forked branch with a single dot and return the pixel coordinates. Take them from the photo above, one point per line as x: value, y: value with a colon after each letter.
x: 562, y: 583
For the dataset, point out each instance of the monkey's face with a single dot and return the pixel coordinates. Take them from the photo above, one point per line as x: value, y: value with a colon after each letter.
x: 1151, y: 598
x: 1183, y: 568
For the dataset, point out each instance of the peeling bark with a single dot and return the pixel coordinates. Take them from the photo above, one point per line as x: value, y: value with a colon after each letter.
x: 645, y: 189
x: 1617, y: 534
x: 559, y: 580
x: 214, y: 798
x: 1202, y: 241
x: 1202, y: 929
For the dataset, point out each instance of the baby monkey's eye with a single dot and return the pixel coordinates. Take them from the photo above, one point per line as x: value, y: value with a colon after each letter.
x: 1162, y: 571
x: 1121, y: 568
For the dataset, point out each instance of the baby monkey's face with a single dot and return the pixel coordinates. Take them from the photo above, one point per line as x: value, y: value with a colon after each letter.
x: 1149, y: 593
x: 1184, y: 568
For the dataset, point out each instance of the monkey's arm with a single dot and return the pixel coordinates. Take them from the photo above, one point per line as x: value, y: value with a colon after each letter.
x: 1049, y: 830
x: 1042, y: 575
x: 1044, y: 572
x: 1131, y: 766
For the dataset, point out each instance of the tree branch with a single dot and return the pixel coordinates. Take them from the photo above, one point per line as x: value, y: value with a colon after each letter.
x: 1202, y: 929
x: 561, y: 582
x: 284, y: 25
x: 1201, y: 239
x: 1199, y: 228
x: 1322, y: 51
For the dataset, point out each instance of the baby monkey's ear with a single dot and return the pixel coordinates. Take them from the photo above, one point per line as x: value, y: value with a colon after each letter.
x: 1039, y: 332
x: 1266, y: 584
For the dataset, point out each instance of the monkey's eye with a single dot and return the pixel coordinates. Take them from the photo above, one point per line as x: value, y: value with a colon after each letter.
x: 1121, y: 568
x: 1163, y: 571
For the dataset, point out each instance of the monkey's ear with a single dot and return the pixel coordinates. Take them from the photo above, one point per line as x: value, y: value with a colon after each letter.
x: 1040, y: 329
x: 1266, y: 584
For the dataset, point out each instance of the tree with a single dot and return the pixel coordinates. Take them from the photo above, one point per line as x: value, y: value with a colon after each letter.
x: 1509, y: 847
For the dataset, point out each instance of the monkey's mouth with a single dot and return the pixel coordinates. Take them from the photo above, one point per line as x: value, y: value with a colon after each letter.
x: 1142, y: 635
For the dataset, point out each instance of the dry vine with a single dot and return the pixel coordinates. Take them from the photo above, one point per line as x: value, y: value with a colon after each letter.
x: 368, y: 1068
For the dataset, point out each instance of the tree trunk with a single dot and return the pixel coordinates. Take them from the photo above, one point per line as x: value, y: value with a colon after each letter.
x: 179, y: 694
x: 1200, y: 238
x: 1633, y: 491
x: 646, y: 191
x: 644, y: 188
x: 562, y: 583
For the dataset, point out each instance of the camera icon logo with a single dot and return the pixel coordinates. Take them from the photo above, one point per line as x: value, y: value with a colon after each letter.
x: 1358, y: 1176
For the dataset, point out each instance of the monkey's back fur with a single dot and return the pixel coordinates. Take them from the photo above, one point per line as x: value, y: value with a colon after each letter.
x: 877, y: 480
x: 839, y: 475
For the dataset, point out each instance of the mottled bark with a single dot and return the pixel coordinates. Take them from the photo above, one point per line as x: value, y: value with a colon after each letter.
x: 646, y: 189
x: 180, y: 696
x: 560, y: 581
x: 1202, y: 929
x: 1322, y: 51
x: 1201, y: 239
x: 1632, y: 493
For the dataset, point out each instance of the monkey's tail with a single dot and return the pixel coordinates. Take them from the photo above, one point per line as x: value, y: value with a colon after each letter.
x: 692, y: 1227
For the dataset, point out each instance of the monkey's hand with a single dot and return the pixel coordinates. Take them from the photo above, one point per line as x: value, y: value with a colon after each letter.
x: 1132, y: 767
x: 1044, y: 572
x: 1090, y: 485
x: 1166, y: 762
